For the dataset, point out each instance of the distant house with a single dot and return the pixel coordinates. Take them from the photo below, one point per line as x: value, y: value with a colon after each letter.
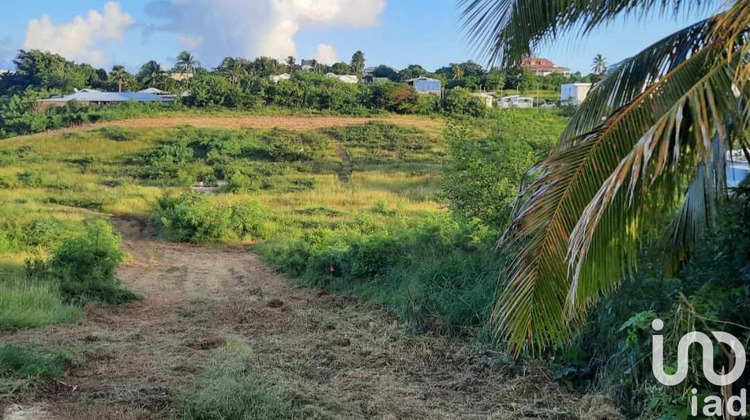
x: 543, y: 67
x: 574, y: 93
x: 308, y: 65
x: 487, y: 98
x: 154, y: 91
x: 368, y: 71
x: 95, y: 97
x: 516, y: 101
x: 279, y: 77
x: 350, y: 79
x: 426, y: 85
x: 181, y: 76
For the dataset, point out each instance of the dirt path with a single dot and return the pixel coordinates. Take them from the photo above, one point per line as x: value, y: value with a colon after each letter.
x: 344, y: 358
x: 287, y: 122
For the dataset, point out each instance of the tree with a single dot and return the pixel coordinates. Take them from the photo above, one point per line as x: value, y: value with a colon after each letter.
x: 599, y: 64
x: 649, y: 142
x: 118, y: 74
x: 358, y: 62
x: 187, y: 63
x: 458, y: 72
x: 233, y: 69
x: 412, y: 72
x: 291, y: 62
x: 385, y: 71
x: 150, y: 74
x: 340, y: 68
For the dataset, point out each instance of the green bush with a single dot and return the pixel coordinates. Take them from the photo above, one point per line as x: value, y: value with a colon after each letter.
x: 289, y: 146
x: 198, y: 218
x: 31, y: 179
x: 460, y: 101
x: 483, y: 176
x: 84, y: 266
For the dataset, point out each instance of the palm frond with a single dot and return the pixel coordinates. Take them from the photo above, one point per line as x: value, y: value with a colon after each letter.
x: 533, y: 305
x: 505, y: 31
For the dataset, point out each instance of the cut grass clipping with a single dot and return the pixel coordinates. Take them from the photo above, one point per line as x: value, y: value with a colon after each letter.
x: 231, y: 388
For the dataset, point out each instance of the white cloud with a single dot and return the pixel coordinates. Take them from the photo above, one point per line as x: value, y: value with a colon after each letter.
x: 83, y: 39
x: 257, y: 27
x: 326, y: 54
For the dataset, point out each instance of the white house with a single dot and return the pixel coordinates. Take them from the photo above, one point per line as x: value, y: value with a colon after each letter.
x: 574, y: 93
x: 486, y: 98
x: 279, y: 77
x: 516, y: 101
x: 346, y: 78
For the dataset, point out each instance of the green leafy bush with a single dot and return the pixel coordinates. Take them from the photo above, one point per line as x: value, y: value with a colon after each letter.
x: 483, y: 176
x: 460, y: 101
x: 84, y: 266
x: 289, y: 146
x: 31, y: 179
x: 198, y: 218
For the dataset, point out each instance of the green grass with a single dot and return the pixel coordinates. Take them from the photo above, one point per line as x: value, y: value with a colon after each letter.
x: 29, y: 305
x: 232, y: 388
x: 22, y: 362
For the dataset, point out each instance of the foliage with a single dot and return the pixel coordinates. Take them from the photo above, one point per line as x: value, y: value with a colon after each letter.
x: 232, y: 388
x: 630, y: 157
x: 84, y: 266
x: 460, y: 101
x: 440, y: 274
x: 21, y: 362
x: 288, y: 146
x: 31, y: 304
x: 194, y: 217
x: 116, y: 133
x: 483, y: 176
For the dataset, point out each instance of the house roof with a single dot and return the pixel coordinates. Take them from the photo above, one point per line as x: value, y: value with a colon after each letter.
x: 153, y: 90
x: 541, y: 64
x: 422, y: 79
x: 91, y: 95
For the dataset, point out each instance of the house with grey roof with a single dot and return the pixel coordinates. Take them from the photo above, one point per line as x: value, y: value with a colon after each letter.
x: 95, y: 97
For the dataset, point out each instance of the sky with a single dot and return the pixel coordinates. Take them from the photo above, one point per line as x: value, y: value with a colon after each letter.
x: 392, y: 32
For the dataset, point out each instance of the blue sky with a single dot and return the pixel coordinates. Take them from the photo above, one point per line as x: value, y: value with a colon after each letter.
x: 407, y: 32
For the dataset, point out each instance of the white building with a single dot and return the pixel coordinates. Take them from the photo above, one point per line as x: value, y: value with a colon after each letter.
x: 279, y: 77
x: 346, y: 78
x: 574, y: 93
x: 516, y: 101
x: 486, y: 97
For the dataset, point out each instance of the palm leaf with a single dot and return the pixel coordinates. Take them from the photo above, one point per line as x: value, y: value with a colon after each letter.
x: 533, y: 305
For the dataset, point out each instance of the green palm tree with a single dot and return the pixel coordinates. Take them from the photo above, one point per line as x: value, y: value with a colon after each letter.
x: 233, y: 69
x: 649, y: 142
x: 187, y: 63
x: 599, y: 64
x: 358, y: 62
x: 150, y: 74
x: 118, y: 75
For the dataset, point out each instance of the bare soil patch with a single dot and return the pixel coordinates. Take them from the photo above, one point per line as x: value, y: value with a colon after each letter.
x: 337, y: 356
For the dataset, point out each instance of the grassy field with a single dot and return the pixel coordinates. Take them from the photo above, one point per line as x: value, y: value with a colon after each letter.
x: 352, y: 208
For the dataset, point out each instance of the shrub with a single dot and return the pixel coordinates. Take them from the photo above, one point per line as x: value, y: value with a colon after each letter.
x: 461, y: 102
x: 31, y: 179
x: 194, y: 217
x: 288, y: 146
x: 483, y: 176
x: 84, y: 266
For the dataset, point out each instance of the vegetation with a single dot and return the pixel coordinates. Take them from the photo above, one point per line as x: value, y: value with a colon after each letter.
x: 25, y: 363
x: 232, y: 388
